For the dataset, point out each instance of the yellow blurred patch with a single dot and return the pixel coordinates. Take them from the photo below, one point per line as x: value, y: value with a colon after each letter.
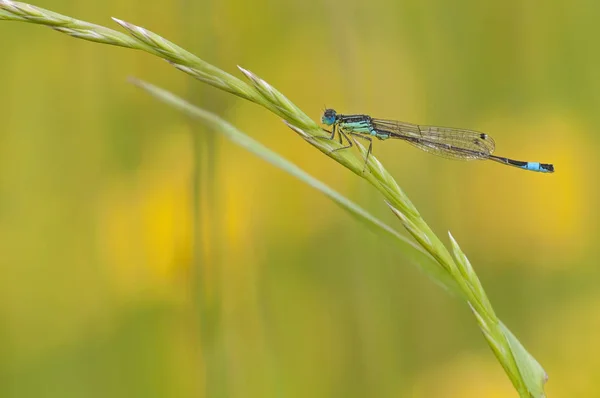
x: 467, y: 377
x: 527, y: 211
x: 568, y: 337
x: 145, y: 221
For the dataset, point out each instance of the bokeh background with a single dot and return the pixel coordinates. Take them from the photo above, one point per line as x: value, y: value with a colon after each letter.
x: 144, y: 256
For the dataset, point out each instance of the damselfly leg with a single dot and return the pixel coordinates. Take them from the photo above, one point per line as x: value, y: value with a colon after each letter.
x: 369, y: 149
x: 341, y: 136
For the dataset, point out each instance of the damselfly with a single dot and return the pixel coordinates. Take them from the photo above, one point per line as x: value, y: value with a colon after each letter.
x: 443, y: 141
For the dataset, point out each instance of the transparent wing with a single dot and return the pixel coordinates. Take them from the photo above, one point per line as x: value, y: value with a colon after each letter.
x: 442, y: 141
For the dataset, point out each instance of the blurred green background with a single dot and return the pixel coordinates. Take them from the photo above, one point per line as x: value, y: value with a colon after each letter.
x: 116, y: 282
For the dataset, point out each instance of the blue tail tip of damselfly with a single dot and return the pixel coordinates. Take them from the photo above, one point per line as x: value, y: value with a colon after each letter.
x: 329, y: 117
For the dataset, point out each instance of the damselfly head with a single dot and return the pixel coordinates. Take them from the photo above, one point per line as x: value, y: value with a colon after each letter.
x: 329, y: 117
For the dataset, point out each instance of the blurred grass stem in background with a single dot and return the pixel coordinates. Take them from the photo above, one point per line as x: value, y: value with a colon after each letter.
x: 525, y: 373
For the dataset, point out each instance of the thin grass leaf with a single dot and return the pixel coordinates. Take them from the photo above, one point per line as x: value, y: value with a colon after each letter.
x: 524, y: 372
